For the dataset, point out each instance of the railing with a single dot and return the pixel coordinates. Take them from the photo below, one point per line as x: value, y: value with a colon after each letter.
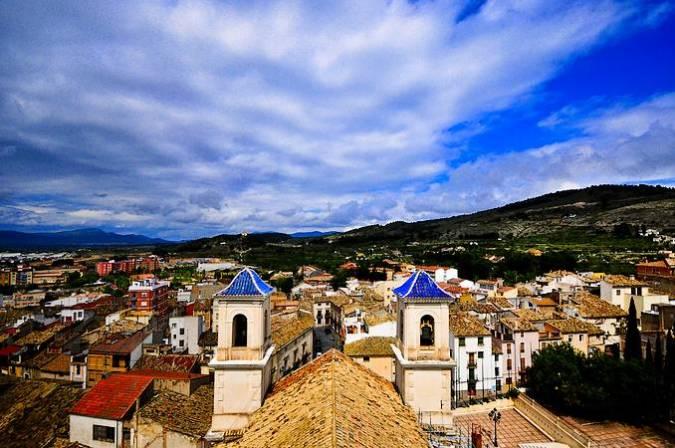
x: 553, y: 425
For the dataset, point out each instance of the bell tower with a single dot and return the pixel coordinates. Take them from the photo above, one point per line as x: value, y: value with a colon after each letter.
x: 422, y: 351
x: 241, y: 363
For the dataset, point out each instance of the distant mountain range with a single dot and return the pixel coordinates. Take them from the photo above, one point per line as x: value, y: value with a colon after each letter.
x: 72, y: 239
x: 313, y: 234
x: 570, y: 214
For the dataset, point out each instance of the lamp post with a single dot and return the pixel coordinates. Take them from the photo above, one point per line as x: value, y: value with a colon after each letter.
x: 495, y: 416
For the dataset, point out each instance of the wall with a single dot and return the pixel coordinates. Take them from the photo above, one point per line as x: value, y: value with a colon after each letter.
x: 151, y: 434
x: 82, y: 430
x: 381, y: 365
x: 485, y: 367
x: 294, y: 359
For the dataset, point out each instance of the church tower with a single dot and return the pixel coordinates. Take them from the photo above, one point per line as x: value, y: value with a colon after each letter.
x: 423, y: 362
x: 242, y: 362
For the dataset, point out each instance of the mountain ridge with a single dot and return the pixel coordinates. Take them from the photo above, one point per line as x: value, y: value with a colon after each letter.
x: 77, y: 238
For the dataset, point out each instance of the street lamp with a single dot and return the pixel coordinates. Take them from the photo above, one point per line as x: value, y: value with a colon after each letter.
x: 495, y: 416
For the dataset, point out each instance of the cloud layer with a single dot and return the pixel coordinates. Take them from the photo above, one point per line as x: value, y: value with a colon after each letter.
x: 191, y: 118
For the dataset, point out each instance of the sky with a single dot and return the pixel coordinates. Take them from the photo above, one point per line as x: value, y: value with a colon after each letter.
x: 182, y: 119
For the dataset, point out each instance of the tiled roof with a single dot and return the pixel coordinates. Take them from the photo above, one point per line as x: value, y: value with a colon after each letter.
x: 514, y: 429
x: 464, y: 324
x: 371, y: 346
x: 118, y: 343
x: 41, y: 336
x: 112, y: 397
x: 287, y: 329
x: 516, y: 324
x: 501, y: 302
x: 531, y: 315
x: 591, y: 306
x: 247, y: 283
x: 378, y: 317
x: 622, y: 280
x: 574, y: 326
x: 177, y: 412
x: 33, y: 412
x: 333, y: 402
x: 168, y: 363
x: 421, y: 285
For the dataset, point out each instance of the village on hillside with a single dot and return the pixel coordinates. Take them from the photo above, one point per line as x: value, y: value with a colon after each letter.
x: 188, y: 352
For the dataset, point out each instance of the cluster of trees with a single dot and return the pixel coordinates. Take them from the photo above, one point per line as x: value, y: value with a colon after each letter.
x: 516, y: 266
x: 635, y: 389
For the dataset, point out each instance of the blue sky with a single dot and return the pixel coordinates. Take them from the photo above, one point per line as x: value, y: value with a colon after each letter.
x: 185, y: 119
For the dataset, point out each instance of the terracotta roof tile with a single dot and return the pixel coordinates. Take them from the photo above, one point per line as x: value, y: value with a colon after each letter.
x: 574, y: 326
x: 463, y: 324
x: 168, y: 363
x: 177, y: 412
x: 591, y: 306
x: 622, y: 280
x: 286, y: 329
x: 333, y: 402
x: 371, y: 346
x: 112, y: 397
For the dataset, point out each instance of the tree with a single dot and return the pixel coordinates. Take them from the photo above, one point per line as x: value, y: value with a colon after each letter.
x: 649, y: 358
x: 633, y: 349
x: 658, y: 356
x: 284, y: 284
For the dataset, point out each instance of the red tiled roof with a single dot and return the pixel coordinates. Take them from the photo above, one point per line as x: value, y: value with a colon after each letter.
x: 156, y: 374
x: 168, y: 363
x: 113, y: 397
x: 9, y: 350
x: 119, y: 343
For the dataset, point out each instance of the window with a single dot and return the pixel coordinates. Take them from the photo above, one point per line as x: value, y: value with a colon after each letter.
x: 366, y: 358
x: 522, y: 347
x: 104, y: 433
x: 480, y: 340
x: 508, y: 349
x: 173, y: 325
x: 239, y: 331
x: 522, y: 363
x: 509, y: 366
x: 618, y: 292
x: 182, y: 331
x: 581, y: 337
x: 462, y: 342
x: 181, y: 343
x: 480, y: 355
x: 426, y: 331
x: 569, y: 339
x: 496, y: 371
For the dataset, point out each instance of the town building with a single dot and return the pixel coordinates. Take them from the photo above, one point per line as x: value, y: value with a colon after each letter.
x: 116, y: 352
x: 423, y: 366
x: 102, y: 418
x: 147, y: 264
x: 149, y: 296
x: 471, y: 349
x: 582, y: 336
x: 659, y: 269
x: 185, y: 332
x: 375, y: 353
x: 519, y: 339
x: 592, y: 309
x: 293, y: 339
x: 619, y: 290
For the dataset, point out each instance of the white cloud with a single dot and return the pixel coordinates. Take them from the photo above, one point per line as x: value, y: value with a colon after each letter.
x: 195, y: 116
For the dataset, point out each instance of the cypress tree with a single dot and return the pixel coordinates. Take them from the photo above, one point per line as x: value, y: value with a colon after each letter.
x: 649, y: 359
x: 633, y: 349
x: 658, y: 356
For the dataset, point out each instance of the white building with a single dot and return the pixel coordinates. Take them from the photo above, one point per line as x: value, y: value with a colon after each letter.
x: 471, y: 348
x: 185, y: 332
x: 619, y: 290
